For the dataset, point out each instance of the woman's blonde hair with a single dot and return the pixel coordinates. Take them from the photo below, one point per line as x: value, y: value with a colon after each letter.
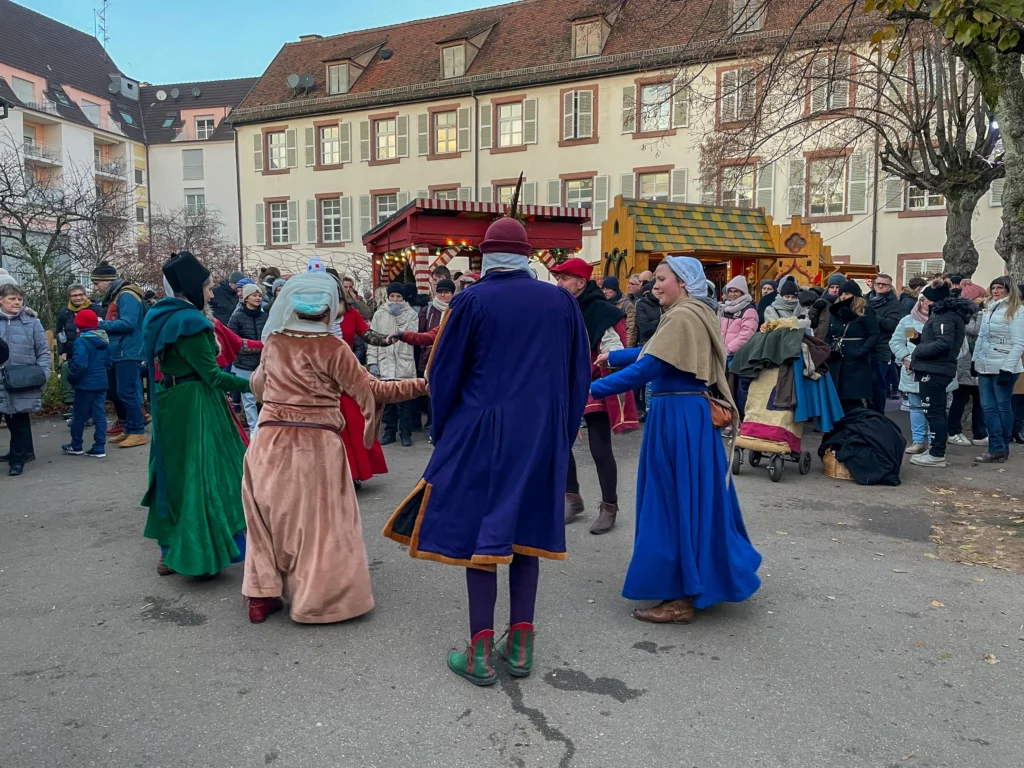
x: 857, y: 304
x: 1013, y: 302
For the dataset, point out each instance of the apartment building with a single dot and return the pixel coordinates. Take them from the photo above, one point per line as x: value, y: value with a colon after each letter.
x: 192, y: 148
x: 340, y: 132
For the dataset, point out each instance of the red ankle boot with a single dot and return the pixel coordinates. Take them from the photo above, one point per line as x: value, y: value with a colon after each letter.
x: 261, y: 607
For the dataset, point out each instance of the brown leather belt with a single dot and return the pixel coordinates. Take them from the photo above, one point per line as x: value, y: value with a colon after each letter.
x: 300, y: 425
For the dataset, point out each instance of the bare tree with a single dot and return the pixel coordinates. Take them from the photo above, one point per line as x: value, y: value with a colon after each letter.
x: 295, y: 260
x: 198, y: 229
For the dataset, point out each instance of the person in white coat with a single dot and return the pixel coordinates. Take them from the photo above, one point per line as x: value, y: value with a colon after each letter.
x: 395, y: 362
x: 997, y: 361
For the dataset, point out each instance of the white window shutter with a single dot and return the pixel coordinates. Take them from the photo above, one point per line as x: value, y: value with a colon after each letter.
x: 291, y: 141
x: 841, y: 83
x: 403, y: 199
x: 346, y: 219
x: 765, y: 197
x: 584, y: 114
x: 629, y: 109
x: 569, y: 115
x: 422, y: 194
x: 463, y: 119
x: 530, y: 121
x: 679, y: 182
x: 402, y: 139
x: 345, y: 134
x: 486, y: 113
x: 485, y: 194
x: 601, y: 201
x: 554, y: 196
x: 819, y: 84
x: 708, y: 191
x: 858, y: 173
x: 365, y: 217
x: 529, y: 193
x: 797, y: 192
x: 893, y: 190
x: 748, y: 93
x: 364, y: 141
x: 310, y: 147
x: 680, y: 105
x: 465, y: 194
x: 311, y: 221
x: 257, y: 152
x: 627, y: 185
x: 995, y: 193
x: 728, y: 97
x: 423, y: 134
x: 293, y: 222
x: 260, y: 223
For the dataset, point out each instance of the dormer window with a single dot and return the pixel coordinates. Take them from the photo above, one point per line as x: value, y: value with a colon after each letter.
x: 453, y: 61
x: 748, y: 15
x: 587, y: 39
x: 337, y: 78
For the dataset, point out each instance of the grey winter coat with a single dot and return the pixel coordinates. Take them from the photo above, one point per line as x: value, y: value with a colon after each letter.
x: 26, y: 339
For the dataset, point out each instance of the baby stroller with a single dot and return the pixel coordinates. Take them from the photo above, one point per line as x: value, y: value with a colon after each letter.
x: 770, y: 435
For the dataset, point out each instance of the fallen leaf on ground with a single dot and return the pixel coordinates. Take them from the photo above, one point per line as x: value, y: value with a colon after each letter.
x: 896, y: 570
x: 782, y: 533
x: 907, y: 757
x: 930, y: 556
x: 976, y: 580
x: 937, y: 604
x: 990, y: 658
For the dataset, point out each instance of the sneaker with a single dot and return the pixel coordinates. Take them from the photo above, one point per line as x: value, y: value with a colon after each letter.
x: 993, y: 458
x: 116, y: 428
x: 962, y: 440
x: 406, y: 441
x: 68, y: 414
x: 131, y: 441
x: 981, y: 441
x: 70, y: 450
x: 96, y: 452
x: 927, y: 460
x: 905, y: 406
x: 16, y: 468
x: 916, y: 448
x: 388, y: 439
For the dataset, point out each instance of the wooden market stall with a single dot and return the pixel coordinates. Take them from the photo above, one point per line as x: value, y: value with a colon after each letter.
x: 638, y: 234
x: 428, y: 233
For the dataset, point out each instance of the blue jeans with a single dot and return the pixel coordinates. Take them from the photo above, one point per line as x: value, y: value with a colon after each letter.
x: 129, y: 391
x: 89, y: 405
x: 918, y: 421
x: 996, y: 404
x: 252, y: 414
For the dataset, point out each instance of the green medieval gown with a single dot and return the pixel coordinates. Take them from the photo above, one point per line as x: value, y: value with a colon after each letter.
x: 195, y: 461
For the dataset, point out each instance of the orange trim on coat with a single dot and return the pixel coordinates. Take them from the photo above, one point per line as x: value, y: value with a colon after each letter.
x: 534, y: 552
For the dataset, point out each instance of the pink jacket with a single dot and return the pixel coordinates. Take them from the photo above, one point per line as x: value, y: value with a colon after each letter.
x: 737, y: 331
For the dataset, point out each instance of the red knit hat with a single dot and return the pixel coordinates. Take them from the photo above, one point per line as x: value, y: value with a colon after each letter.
x: 86, y: 320
x: 574, y: 266
x: 506, y: 235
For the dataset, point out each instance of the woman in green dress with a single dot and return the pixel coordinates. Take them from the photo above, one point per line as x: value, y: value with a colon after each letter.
x: 195, y: 459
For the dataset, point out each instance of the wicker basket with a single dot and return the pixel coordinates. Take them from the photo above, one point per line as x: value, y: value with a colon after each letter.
x: 833, y: 468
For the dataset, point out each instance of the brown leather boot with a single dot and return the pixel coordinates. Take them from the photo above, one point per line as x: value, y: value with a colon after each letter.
x: 162, y: 567
x: 605, y: 518
x: 667, y: 612
x: 573, y: 507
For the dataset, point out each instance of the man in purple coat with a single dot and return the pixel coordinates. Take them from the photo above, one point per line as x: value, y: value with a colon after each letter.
x: 507, y: 390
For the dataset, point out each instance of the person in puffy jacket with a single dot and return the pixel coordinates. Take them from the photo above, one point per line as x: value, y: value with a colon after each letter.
x: 737, y: 315
x: 612, y: 292
x: 395, y: 362
x: 889, y: 311
x: 248, y: 323
x: 967, y: 389
x: 648, y: 314
x: 852, y: 335
x: 87, y: 372
x: 67, y: 332
x: 997, y: 360
x: 934, y: 360
x: 26, y: 346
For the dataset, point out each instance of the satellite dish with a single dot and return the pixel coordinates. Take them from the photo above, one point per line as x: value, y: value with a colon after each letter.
x: 114, y: 88
x: 196, y: 91
x: 161, y: 95
x: 386, y: 53
x: 306, y: 81
x: 175, y: 93
x: 293, y: 81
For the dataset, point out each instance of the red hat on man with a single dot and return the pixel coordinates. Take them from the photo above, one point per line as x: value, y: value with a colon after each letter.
x: 86, y: 320
x: 574, y: 266
x: 506, y: 235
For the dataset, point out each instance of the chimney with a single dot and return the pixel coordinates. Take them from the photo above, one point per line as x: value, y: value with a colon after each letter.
x: 307, y: 38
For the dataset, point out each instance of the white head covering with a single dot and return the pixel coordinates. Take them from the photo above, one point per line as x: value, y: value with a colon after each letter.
x: 307, y: 294
x: 690, y: 271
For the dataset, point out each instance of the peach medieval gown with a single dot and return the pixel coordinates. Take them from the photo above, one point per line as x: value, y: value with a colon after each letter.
x: 305, y: 537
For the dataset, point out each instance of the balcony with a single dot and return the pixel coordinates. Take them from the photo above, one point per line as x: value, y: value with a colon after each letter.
x: 41, y: 153
x: 46, y: 106
x: 114, y: 170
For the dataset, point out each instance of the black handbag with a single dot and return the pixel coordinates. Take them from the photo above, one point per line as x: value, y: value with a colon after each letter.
x: 20, y: 378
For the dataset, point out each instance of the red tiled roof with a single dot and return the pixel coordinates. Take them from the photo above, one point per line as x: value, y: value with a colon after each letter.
x: 533, y: 35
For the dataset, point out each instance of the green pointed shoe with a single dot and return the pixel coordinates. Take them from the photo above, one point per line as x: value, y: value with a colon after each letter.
x: 475, y: 663
x: 516, y: 648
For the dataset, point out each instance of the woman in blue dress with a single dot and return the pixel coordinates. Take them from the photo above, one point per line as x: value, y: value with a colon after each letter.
x: 691, y: 549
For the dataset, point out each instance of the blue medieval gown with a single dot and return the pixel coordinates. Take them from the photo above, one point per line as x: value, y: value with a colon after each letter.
x: 690, y: 540
x: 509, y: 378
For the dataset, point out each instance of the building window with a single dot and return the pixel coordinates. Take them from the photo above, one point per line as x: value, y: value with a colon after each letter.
x: 192, y: 163
x: 330, y: 218
x: 826, y: 186
x: 279, y: 223
x: 169, y: 121
x: 140, y: 215
x: 24, y: 89
x: 655, y: 107
x: 204, y: 127
x: 446, y: 194
x: 830, y: 83
x: 140, y: 176
x: 277, y: 151
x: 330, y: 145
x: 738, y: 186
x: 503, y: 193
x: 446, y: 133
x: 337, y: 78
x: 510, y: 125
x: 453, y: 61
x: 579, y: 193
x: 578, y: 114
x: 91, y: 111
x: 586, y: 40
x: 654, y: 186
x: 387, y: 139
x: 387, y: 205
x: 195, y: 203
x: 921, y: 199
x: 748, y: 15
x: 738, y: 93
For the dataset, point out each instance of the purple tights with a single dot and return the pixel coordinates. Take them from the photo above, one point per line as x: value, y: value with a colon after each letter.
x: 483, y: 592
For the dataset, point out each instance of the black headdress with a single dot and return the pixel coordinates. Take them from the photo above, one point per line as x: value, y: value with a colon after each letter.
x: 187, y: 276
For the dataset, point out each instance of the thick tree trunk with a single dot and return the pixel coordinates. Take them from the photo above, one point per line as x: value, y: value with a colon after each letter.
x: 959, y: 253
x: 1010, y: 113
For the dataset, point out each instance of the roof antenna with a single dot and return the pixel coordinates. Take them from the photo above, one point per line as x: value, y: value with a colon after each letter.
x: 99, y: 23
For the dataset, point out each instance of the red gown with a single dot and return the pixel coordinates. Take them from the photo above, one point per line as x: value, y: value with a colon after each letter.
x: 363, y: 463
